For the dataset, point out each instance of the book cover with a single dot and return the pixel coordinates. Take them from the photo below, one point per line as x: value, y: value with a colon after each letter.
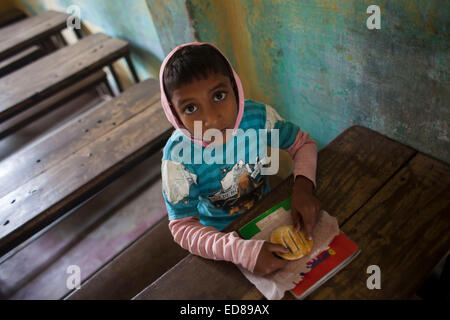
x: 322, y: 267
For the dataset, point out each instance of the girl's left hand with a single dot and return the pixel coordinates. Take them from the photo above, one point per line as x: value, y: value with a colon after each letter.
x: 304, y: 205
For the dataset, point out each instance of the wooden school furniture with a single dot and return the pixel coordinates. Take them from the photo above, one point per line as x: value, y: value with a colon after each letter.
x: 33, y: 83
x: 392, y: 200
x: 20, y: 59
x: 42, y: 108
x: 141, y: 263
x: 30, y: 31
x: 29, y: 39
x: 41, y: 182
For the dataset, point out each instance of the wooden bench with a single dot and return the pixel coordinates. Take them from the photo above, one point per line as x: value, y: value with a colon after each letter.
x: 42, y: 108
x: 30, y: 31
x: 20, y: 59
x: 143, y: 262
x: 93, y: 236
x: 392, y: 200
x: 29, y: 39
x: 33, y: 83
x: 41, y: 182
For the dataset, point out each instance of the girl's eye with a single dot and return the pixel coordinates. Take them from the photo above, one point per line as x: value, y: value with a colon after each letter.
x: 190, y: 109
x: 222, y: 94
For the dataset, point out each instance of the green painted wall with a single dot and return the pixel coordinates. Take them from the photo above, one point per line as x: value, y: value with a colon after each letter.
x: 314, y: 61
x: 318, y: 64
x: 171, y: 19
x: 129, y: 20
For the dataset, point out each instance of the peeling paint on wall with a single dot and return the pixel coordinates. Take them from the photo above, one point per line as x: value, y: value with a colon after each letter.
x: 171, y: 19
x: 314, y: 61
x: 318, y: 64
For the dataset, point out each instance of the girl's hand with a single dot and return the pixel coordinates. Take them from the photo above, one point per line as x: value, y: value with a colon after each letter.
x: 267, y: 262
x: 305, y: 207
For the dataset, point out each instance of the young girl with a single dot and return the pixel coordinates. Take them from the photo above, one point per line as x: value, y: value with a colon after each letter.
x: 200, y: 88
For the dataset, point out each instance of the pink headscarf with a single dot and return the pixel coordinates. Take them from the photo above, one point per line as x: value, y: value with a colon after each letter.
x: 170, y: 113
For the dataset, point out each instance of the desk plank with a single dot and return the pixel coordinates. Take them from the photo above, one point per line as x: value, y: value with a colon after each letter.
x: 48, y: 151
x: 23, y: 119
x: 142, y: 262
x: 351, y: 170
x: 56, y: 71
x: 20, y: 59
x: 26, y: 32
x: 404, y: 229
x: 45, y: 197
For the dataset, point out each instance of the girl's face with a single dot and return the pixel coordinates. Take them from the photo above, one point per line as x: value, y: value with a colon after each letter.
x: 211, y: 101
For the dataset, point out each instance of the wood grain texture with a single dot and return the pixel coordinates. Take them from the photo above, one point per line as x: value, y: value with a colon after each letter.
x: 404, y: 229
x: 351, y: 170
x: 51, y: 149
x: 38, y: 80
x: 74, y: 178
x: 20, y: 59
x: 142, y: 262
x: 53, y: 102
x: 31, y: 30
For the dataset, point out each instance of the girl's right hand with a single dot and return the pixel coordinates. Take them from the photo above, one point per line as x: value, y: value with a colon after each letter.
x: 267, y: 261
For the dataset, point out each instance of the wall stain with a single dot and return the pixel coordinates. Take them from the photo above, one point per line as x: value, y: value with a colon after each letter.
x: 314, y: 61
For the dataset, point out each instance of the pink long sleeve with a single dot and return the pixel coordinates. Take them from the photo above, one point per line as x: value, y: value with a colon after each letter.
x: 304, y: 154
x: 210, y: 243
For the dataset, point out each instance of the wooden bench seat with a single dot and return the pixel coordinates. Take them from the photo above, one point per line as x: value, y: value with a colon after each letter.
x: 141, y: 263
x: 39, y: 183
x: 20, y: 59
x: 24, y: 33
x: 42, y: 108
x: 33, y: 83
x: 90, y: 236
x: 392, y: 200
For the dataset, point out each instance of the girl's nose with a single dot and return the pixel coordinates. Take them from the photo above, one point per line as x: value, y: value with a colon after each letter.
x: 213, y: 120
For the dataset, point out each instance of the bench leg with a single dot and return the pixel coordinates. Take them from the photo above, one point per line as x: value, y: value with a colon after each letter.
x: 78, y: 33
x: 116, y: 78
x: 48, y: 45
x: 132, y: 69
x: 108, y: 88
x: 61, y: 39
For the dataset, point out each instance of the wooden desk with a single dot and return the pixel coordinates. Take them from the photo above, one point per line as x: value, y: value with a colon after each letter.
x: 390, y: 199
x: 46, y: 106
x: 41, y: 182
x: 29, y: 31
x: 33, y: 83
x: 20, y: 59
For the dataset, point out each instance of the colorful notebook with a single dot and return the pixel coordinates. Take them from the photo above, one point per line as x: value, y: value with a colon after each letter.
x: 325, y: 265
